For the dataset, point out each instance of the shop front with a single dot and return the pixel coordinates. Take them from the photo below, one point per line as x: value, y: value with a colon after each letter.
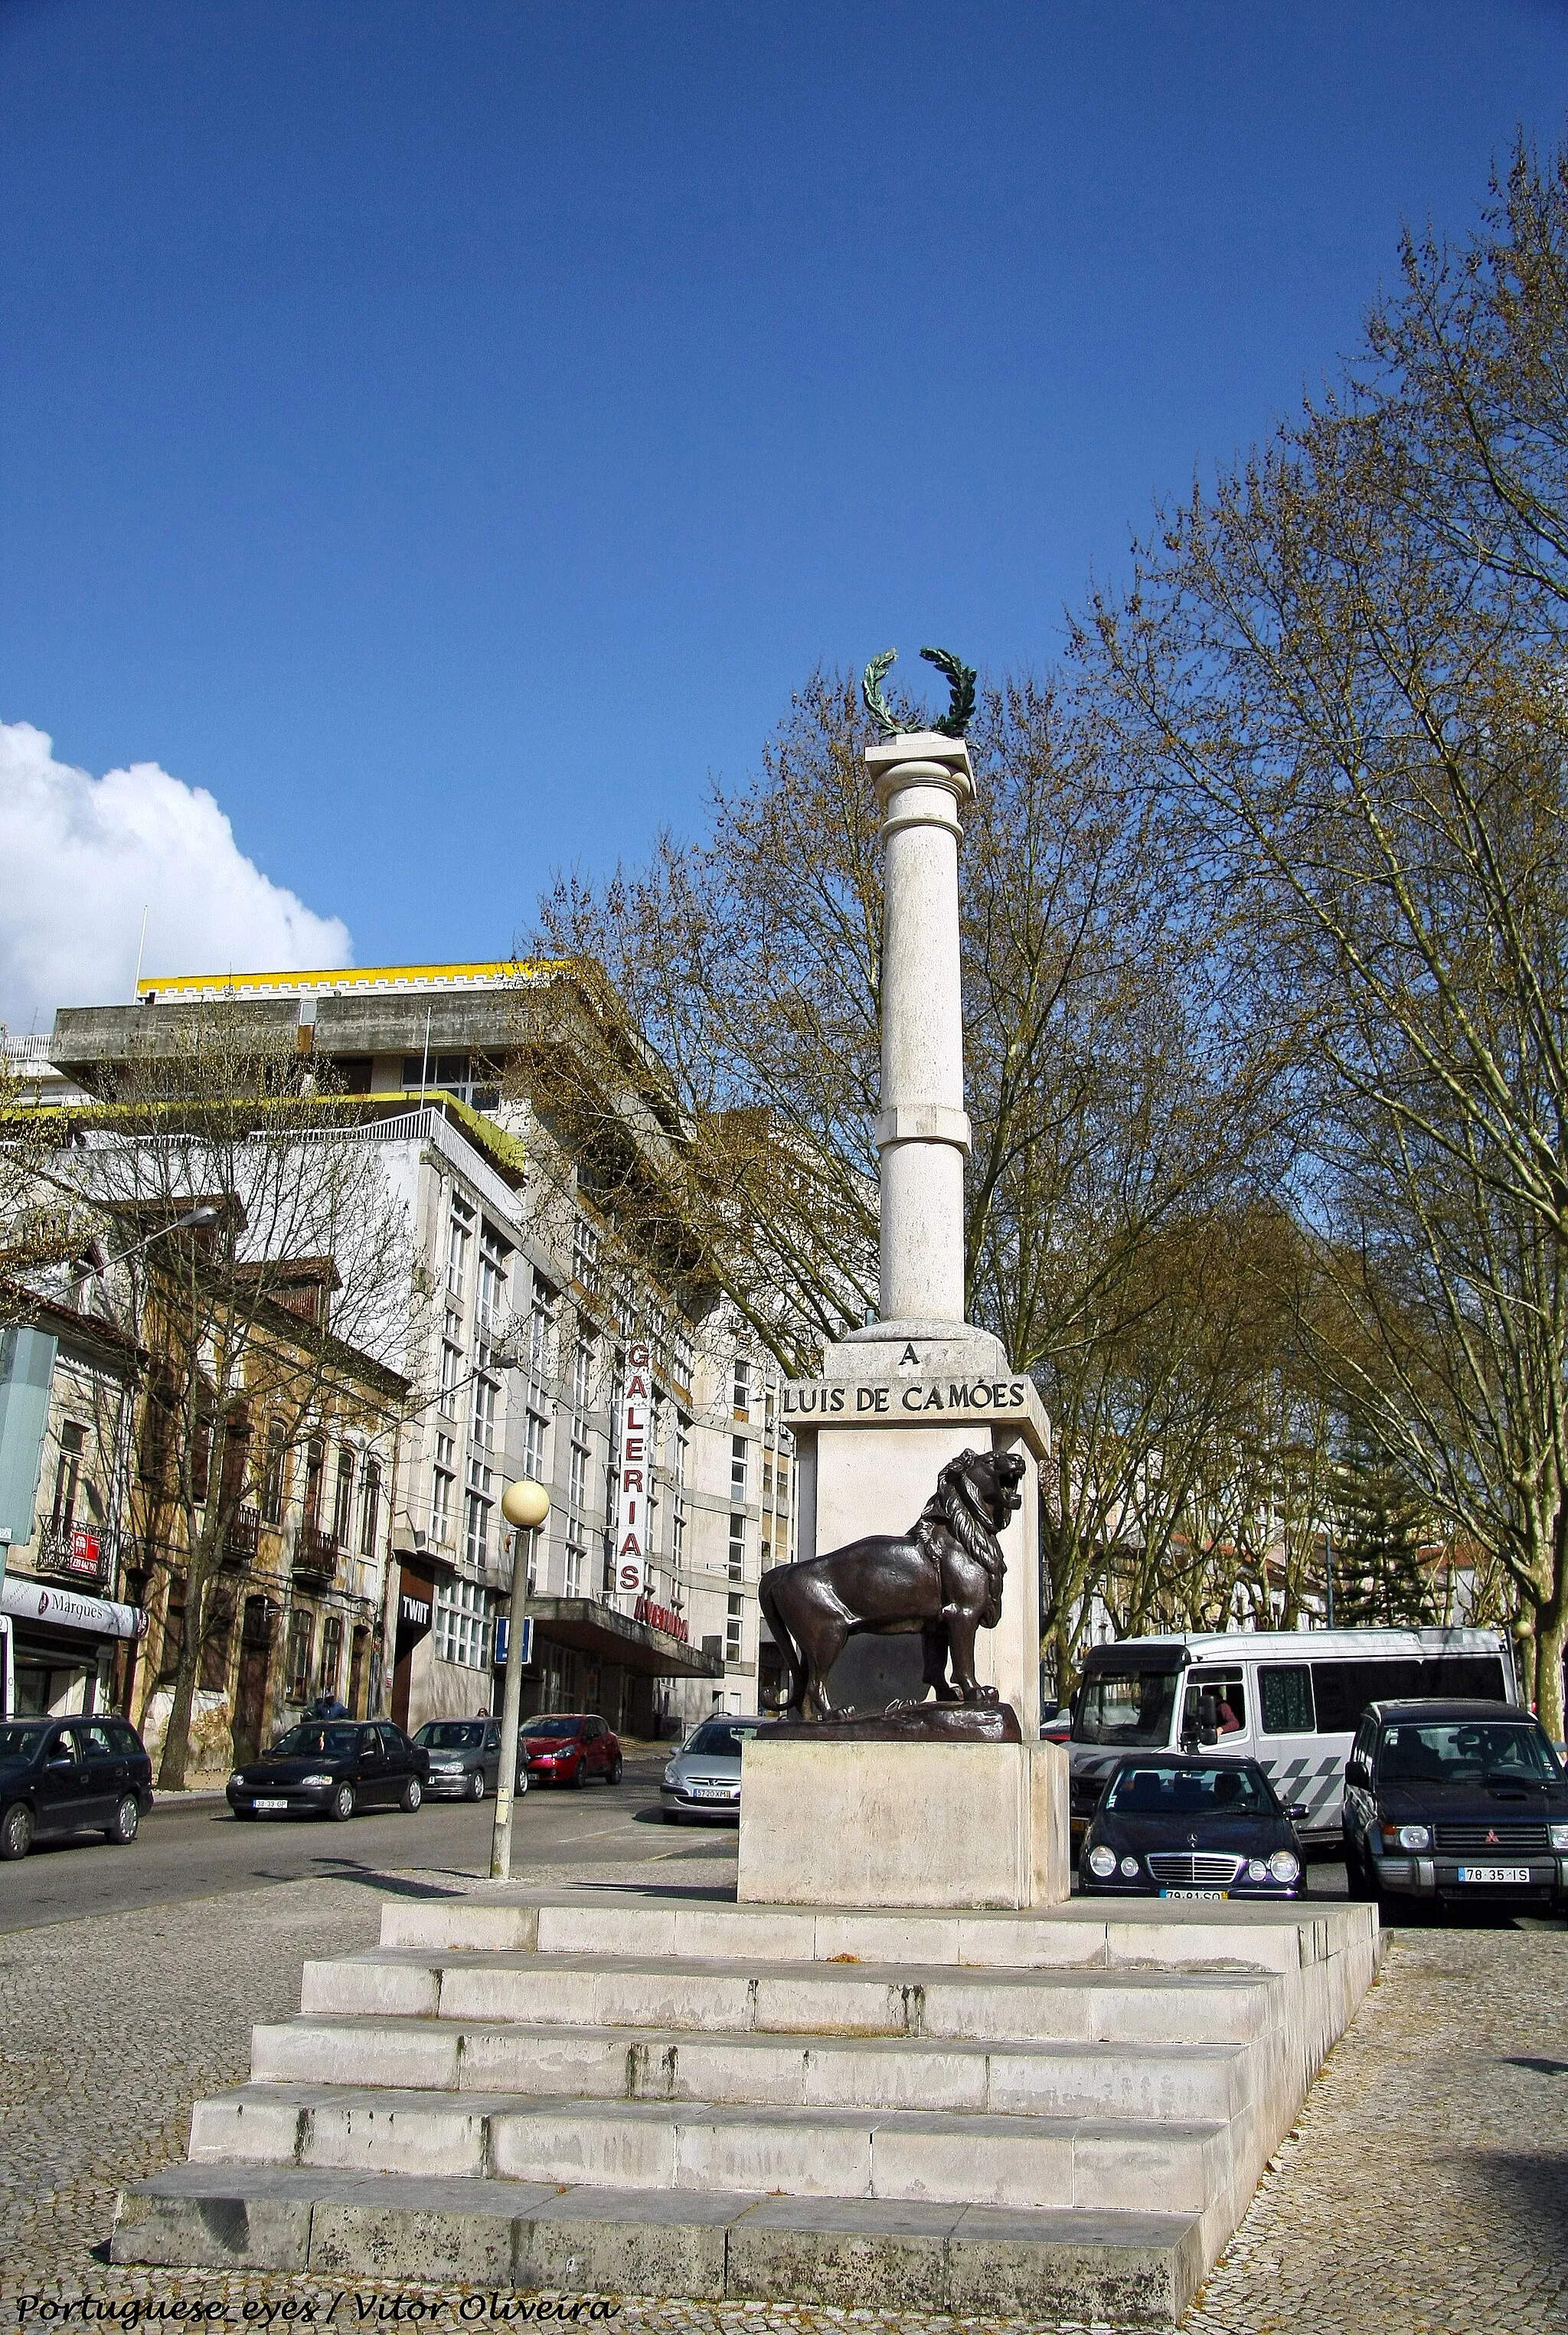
x: 60, y: 1647
x: 589, y: 1657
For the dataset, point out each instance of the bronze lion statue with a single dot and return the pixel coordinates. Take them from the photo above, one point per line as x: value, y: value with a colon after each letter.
x: 944, y: 1579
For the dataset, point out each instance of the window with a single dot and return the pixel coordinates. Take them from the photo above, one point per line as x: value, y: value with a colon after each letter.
x: 732, y: 1629
x: 462, y: 1626
x: 301, y: 1630
x: 585, y: 1255
x: 492, y: 1277
x: 583, y: 1376
x: 370, y: 1507
x: 540, y: 1321
x: 67, y: 1477
x: 315, y: 1461
x: 1285, y: 1692
x: 534, y: 1445
x: 576, y: 1566
x: 343, y: 1502
x: 1228, y: 1688
x: 678, y: 1536
x: 459, y: 1232
x: 737, y: 1548
x: 443, y: 1484
x: 740, y: 1388
x: 331, y: 1670
x: 451, y: 1364
x: 476, y: 1506
x: 274, y: 1477
x: 681, y: 1358
x: 738, y: 1468
x: 682, y: 1458
x: 483, y: 1422
x: 770, y: 1414
x: 577, y: 1485
x: 1135, y: 1708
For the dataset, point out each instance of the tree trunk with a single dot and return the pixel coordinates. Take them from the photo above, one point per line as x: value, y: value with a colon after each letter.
x: 1551, y: 1627
x: 176, y: 1754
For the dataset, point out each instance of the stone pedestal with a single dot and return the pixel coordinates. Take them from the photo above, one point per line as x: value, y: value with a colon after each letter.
x: 959, y: 1825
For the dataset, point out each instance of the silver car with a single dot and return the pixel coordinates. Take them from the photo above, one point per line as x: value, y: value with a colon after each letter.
x: 703, y: 1779
x: 465, y: 1757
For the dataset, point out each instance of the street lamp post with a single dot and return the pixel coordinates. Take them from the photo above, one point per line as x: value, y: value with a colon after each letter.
x: 525, y: 1506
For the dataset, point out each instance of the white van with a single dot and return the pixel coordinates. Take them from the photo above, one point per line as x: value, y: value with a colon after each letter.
x: 1288, y: 1699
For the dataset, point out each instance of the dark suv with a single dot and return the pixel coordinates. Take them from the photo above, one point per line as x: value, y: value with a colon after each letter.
x: 1462, y: 1801
x: 60, y: 1775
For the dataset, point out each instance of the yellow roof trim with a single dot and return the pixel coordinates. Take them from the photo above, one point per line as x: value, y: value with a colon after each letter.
x: 494, y: 974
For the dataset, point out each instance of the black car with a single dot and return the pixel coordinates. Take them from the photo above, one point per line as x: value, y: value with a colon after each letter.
x: 329, y: 1768
x: 1459, y: 1801
x: 1170, y: 1825
x: 59, y: 1775
x: 465, y: 1757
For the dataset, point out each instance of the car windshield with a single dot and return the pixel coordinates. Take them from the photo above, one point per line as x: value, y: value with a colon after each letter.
x: 1160, y: 1791
x: 1465, y: 1751
x: 720, y: 1738
x: 1132, y: 1706
x: 317, y: 1743
x: 451, y: 1735
x: 555, y: 1726
x: 21, y: 1742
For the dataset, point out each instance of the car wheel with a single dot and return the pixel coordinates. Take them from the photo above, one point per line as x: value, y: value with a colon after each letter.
x: 475, y: 1787
x: 340, y: 1807
x: 1358, y: 1879
x: 16, y: 1830
x: 613, y: 1773
x: 127, y: 1820
x: 413, y: 1793
x: 580, y: 1774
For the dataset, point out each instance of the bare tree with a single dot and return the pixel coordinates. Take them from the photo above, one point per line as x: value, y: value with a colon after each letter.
x: 1348, y: 661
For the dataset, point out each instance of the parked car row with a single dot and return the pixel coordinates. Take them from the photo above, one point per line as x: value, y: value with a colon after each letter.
x: 64, y: 1776
x: 1445, y: 1800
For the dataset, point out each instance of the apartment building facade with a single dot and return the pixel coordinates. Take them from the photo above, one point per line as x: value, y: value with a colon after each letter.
x: 529, y: 1323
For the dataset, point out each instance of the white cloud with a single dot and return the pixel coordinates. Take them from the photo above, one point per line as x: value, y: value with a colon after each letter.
x: 81, y: 857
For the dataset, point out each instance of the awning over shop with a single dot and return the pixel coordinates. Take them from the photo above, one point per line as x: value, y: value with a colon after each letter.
x: 64, y: 1609
x: 612, y: 1637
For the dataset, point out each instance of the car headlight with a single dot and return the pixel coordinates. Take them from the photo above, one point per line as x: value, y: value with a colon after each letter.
x: 1102, y: 1861
x: 1129, y: 1867
x: 238, y: 1778
x: 318, y: 1779
x: 1257, y: 1870
x: 670, y: 1774
x: 1558, y: 1836
x: 1286, y: 1866
x: 1407, y: 1836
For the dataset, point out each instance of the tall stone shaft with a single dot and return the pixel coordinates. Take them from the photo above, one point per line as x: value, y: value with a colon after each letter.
x: 923, y: 780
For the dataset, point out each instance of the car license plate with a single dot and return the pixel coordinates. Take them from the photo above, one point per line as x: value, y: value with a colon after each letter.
x: 269, y: 1807
x: 1494, y: 1872
x: 711, y: 1792
x: 1195, y: 1897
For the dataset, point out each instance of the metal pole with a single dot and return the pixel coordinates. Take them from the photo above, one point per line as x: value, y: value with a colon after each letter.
x: 1329, y: 1571
x: 525, y: 1506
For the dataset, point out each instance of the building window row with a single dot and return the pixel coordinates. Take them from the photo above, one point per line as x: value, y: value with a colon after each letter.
x: 462, y: 1625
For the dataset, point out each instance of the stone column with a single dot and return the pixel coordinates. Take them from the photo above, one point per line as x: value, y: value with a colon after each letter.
x: 923, y: 780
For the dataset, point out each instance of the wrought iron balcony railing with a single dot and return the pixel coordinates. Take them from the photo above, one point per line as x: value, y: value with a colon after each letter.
x: 81, y: 1553
x: 316, y: 1553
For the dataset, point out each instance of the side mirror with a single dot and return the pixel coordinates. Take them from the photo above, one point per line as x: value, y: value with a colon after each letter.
x: 1299, y: 1813
x: 59, y: 1760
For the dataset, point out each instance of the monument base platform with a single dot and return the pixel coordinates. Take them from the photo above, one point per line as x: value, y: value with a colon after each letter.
x: 1059, y: 2113
x: 898, y: 1822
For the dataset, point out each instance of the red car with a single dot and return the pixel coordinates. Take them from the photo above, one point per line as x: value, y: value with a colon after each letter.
x: 569, y: 1748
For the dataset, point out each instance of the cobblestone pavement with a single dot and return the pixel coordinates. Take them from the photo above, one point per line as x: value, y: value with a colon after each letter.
x: 1426, y: 2188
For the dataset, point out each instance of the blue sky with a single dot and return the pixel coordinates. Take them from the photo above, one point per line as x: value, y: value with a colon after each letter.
x: 446, y: 431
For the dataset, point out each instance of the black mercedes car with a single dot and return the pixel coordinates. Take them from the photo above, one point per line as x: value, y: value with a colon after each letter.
x: 1171, y: 1824
x: 330, y: 1768
x: 1459, y: 1801
x: 59, y: 1775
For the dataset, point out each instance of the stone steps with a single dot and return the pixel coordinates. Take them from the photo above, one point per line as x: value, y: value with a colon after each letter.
x: 1062, y: 2114
x: 1131, y: 2269
x: 712, y: 1996
x: 946, y: 2156
x: 1159, y: 2082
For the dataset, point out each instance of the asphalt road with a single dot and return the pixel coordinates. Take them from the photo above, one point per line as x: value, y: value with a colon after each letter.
x: 194, y: 1848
